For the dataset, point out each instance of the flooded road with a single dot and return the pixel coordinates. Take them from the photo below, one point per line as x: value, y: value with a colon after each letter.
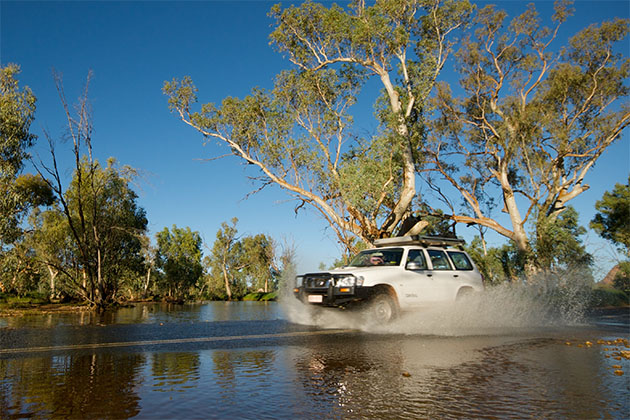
x: 247, y: 360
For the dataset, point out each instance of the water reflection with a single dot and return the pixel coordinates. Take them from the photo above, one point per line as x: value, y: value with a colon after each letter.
x: 401, y: 379
x: 87, y: 386
x: 174, y: 372
x: 152, y: 313
x: 349, y: 375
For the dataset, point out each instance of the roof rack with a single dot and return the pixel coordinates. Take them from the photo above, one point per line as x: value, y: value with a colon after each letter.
x: 419, y: 240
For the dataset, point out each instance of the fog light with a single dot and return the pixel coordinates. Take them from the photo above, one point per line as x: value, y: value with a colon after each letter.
x: 344, y: 290
x: 296, y: 290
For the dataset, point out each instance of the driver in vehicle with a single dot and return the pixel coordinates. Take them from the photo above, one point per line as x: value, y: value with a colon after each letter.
x: 377, y: 259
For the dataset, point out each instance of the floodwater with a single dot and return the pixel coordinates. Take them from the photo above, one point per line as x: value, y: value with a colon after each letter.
x: 255, y: 360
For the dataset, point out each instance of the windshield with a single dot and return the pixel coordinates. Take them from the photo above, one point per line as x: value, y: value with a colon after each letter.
x: 373, y: 257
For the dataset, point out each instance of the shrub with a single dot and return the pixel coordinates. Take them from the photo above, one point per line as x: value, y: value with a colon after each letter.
x: 607, y: 296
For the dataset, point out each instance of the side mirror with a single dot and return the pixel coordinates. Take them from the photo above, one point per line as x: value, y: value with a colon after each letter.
x: 415, y: 266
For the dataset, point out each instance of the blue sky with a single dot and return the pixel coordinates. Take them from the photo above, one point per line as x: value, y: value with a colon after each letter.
x: 132, y: 47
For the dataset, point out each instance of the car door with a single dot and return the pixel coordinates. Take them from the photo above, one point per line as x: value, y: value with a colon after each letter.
x: 416, y: 284
x: 446, y: 279
x: 467, y: 274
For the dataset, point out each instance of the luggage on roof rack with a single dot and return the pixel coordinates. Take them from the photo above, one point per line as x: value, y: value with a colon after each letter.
x: 423, y: 240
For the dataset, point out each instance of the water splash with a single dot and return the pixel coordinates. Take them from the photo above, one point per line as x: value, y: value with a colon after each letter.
x: 507, y: 308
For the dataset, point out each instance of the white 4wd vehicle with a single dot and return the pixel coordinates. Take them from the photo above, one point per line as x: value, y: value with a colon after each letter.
x: 398, y: 274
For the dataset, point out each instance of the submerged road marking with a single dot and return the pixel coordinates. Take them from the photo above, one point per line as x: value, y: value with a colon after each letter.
x: 170, y: 341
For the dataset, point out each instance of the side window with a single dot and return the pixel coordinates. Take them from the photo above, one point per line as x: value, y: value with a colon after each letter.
x: 417, y: 256
x: 439, y: 259
x: 460, y: 260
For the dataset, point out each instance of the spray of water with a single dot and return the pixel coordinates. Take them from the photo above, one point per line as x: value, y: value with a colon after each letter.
x: 510, y: 307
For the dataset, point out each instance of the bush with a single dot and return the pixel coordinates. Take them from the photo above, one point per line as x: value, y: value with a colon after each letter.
x: 607, y: 296
x: 27, y: 300
x: 622, y: 279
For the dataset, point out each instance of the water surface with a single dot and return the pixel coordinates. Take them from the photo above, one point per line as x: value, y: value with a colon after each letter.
x: 246, y: 360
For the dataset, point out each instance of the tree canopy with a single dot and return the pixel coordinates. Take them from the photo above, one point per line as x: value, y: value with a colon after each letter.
x: 103, y: 226
x: 532, y: 120
x: 300, y: 134
x: 612, y: 221
x: 237, y: 264
x: 179, y: 256
x: 529, y: 120
x: 17, y: 112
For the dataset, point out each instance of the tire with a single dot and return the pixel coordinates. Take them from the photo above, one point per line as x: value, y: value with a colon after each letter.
x: 382, y: 309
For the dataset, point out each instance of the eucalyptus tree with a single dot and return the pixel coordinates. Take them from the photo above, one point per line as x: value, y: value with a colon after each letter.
x: 558, y: 246
x: 99, y: 208
x: 50, y: 240
x: 612, y: 220
x: 94, y: 236
x: 260, y: 269
x: 241, y: 263
x: 17, y: 112
x: 225, y: 259
x: 301, y: 136
x: 179, y: 256
x: 531, y: 120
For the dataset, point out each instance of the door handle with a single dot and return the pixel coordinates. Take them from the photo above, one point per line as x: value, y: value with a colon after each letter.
x: 429, y: 275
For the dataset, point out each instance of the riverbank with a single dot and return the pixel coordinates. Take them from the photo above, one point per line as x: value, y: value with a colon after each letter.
x: 9, y: 310
x: 33, y: 304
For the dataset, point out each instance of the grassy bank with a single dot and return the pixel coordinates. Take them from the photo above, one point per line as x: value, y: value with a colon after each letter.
x: 606, y: 296
x: 33, y: 303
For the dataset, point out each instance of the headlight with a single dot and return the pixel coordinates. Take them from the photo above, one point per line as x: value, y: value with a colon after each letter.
x: 298, y: 281
x: 347, y: 281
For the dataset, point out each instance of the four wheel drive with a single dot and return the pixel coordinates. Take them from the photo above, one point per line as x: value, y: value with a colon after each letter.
x: 398, y: 274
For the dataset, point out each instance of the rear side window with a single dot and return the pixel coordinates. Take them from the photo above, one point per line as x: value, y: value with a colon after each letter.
x: 417, y: 256
x: 439, y: 259
x: 460, y: 260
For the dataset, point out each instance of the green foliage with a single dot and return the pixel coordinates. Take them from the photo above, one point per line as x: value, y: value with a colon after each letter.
x: 34, y: 191
x: 238, y: 265
x: 51, y: 240
x: 224, y: 263
x: 557, y: 252
x: 19, y: 270
x: 531, y: 122
x: 622, y: 279
x: 258, y: 270
x: 558, y: 247
x: 612, y: 222
x: 89, y: 247
x: 105, y: 213
x: 26, y: 300
x: 300, y: 135
x: 605, y: 296
x: 179, y: 256
x: 496, y: 264
x: 17, y: 112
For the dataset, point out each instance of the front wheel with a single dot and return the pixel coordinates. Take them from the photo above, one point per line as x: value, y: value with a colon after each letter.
x: 382, y: 309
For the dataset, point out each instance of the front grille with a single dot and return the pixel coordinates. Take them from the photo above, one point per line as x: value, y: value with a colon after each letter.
x: 317, y: 281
